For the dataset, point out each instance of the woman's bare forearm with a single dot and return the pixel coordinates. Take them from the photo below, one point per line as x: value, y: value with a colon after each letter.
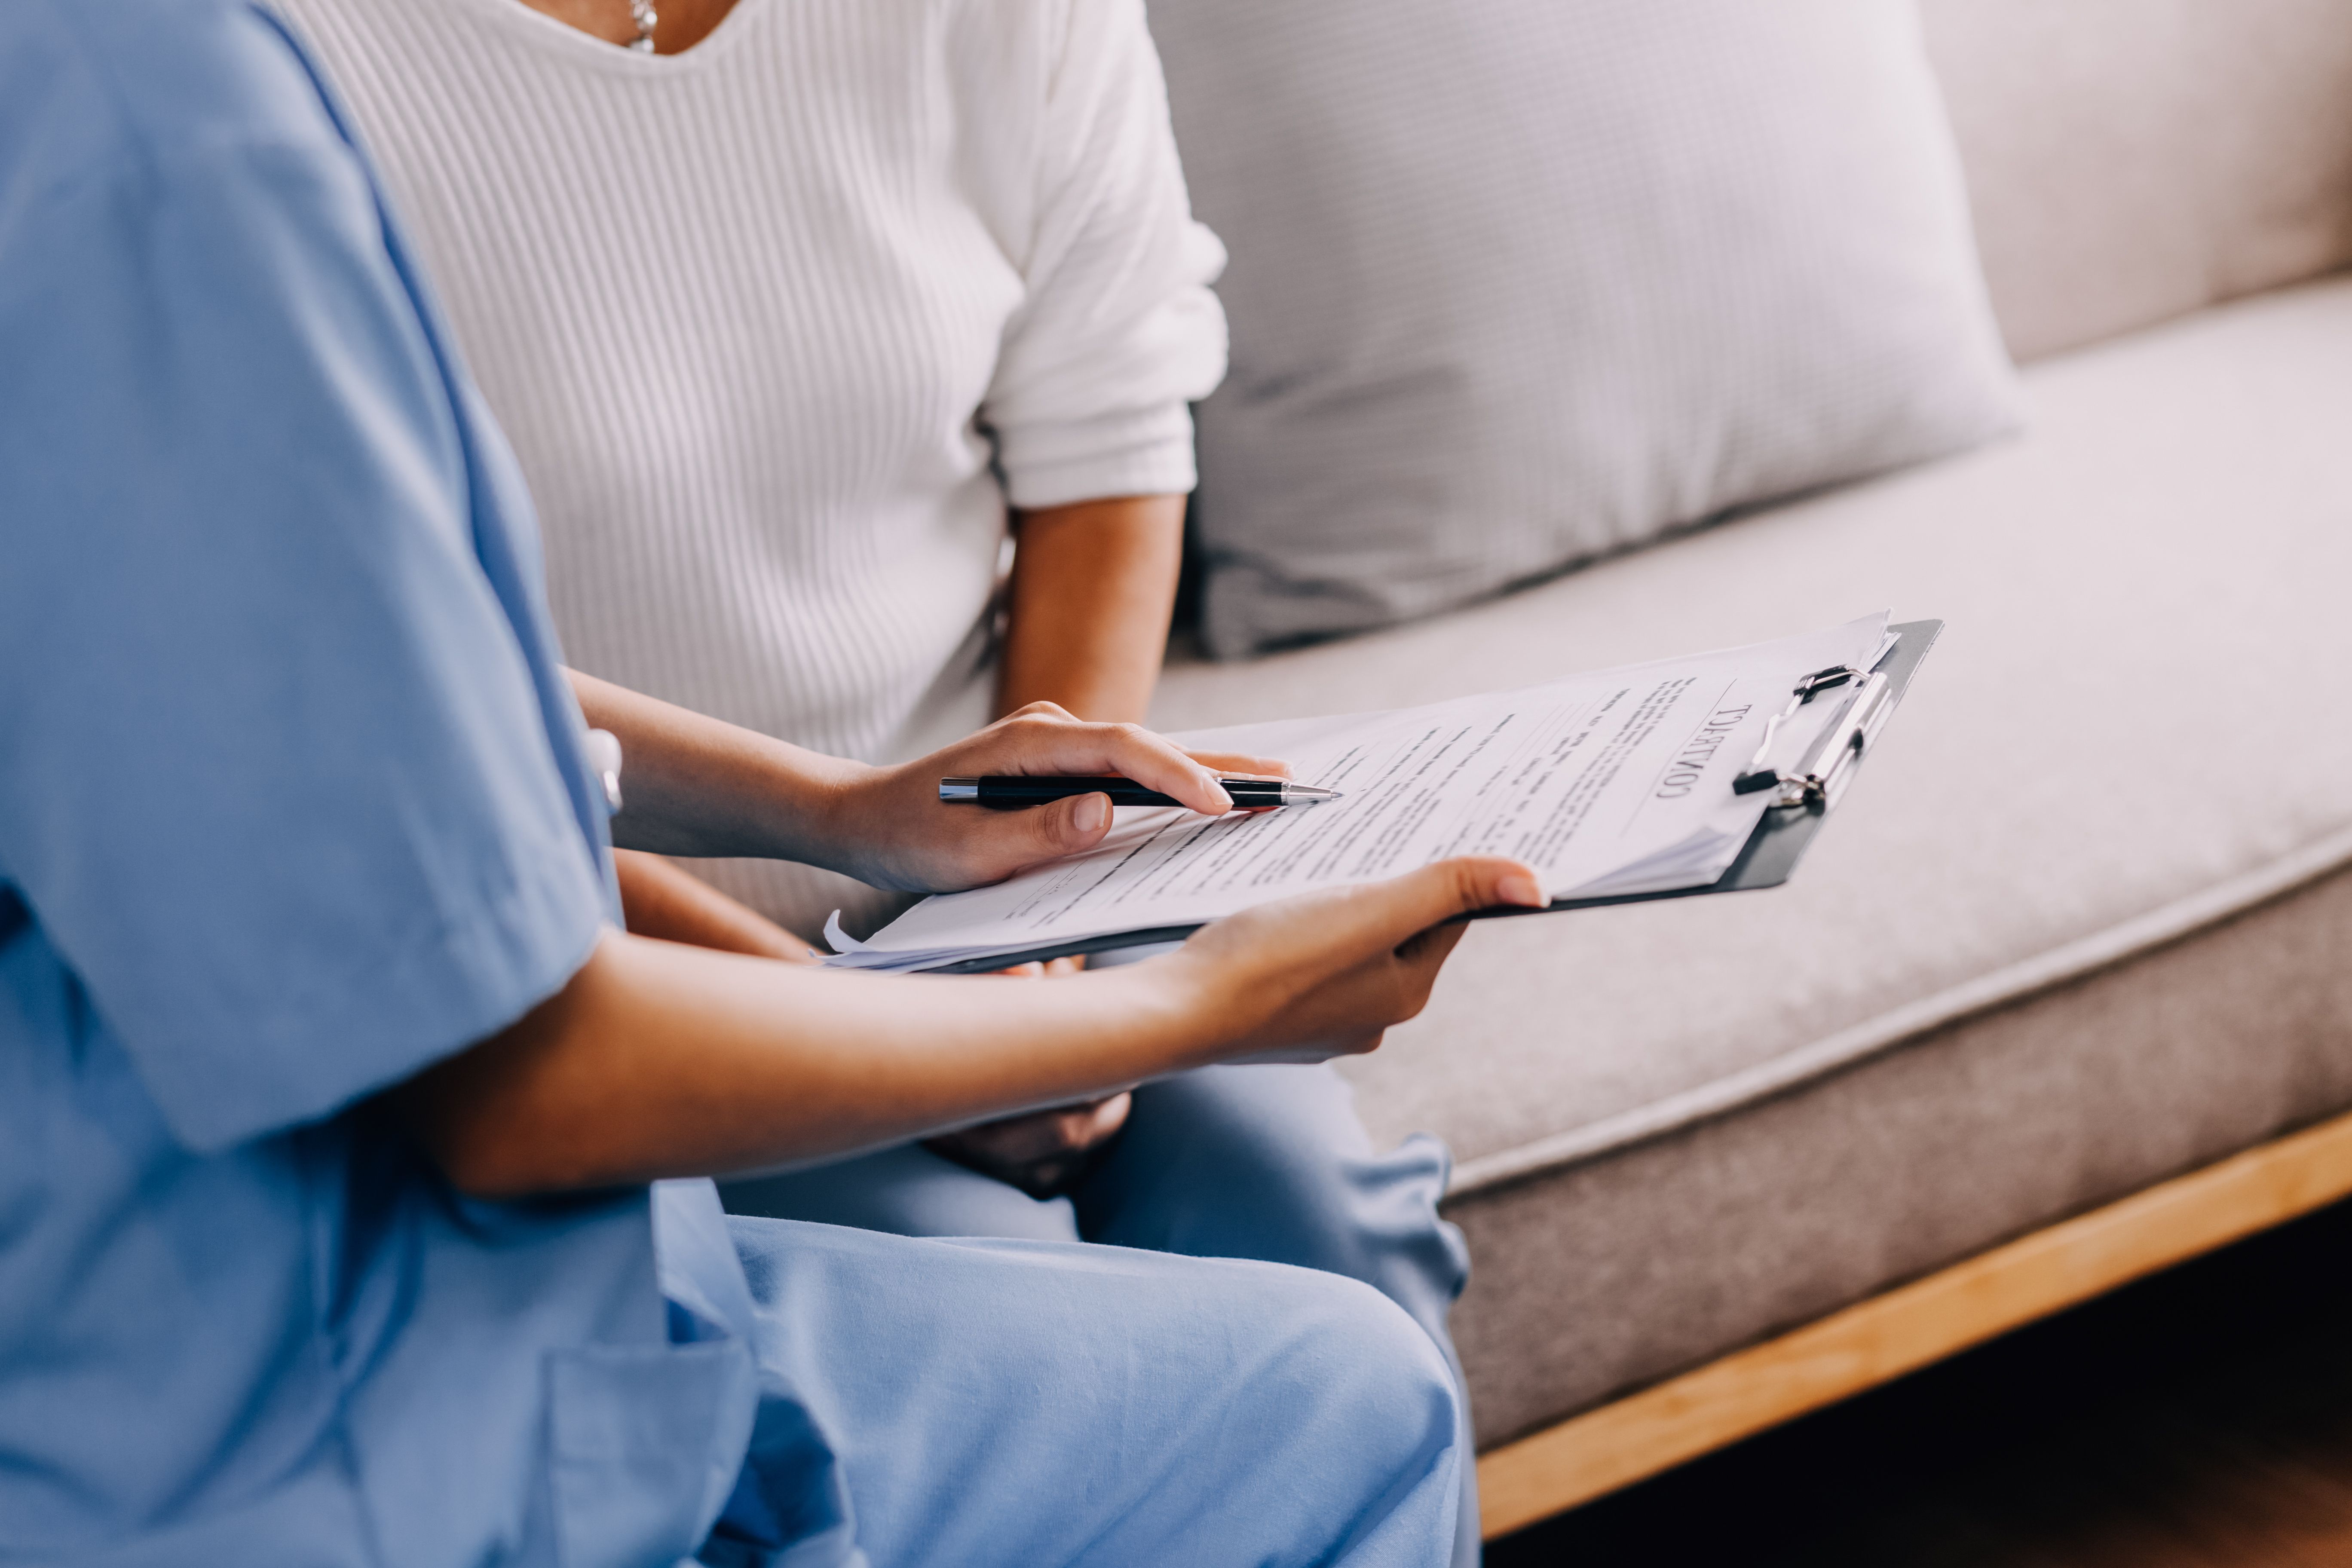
x: 660, y: 1060
x: 660, y: 899
x: 1093, y: 586
x: 696, y: 785
x: 692, y: 785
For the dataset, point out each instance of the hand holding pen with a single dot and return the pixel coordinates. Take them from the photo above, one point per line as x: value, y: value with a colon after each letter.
x: 904, y: 838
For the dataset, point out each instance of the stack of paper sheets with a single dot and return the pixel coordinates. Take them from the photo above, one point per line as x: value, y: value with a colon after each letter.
x: 1609, y: 783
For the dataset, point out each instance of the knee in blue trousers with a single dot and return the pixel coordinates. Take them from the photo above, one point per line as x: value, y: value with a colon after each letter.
x: 1260, y: 1162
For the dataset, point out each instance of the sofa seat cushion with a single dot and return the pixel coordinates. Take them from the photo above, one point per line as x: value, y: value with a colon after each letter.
x: 2071, y: 930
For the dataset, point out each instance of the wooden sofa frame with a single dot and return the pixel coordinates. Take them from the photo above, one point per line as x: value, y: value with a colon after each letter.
x: 1899, y: 1330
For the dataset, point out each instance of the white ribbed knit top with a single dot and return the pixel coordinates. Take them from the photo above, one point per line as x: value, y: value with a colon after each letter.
x: 767, y: 321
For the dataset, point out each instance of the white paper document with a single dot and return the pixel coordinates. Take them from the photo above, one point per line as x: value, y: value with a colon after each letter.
x: 1614, y: 783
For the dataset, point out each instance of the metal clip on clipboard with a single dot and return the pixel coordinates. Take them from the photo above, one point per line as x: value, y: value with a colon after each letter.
x: 1816, y: 782
x: 1780, y: 838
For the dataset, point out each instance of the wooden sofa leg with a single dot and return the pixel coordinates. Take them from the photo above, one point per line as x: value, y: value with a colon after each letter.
x: 1901, y: 1329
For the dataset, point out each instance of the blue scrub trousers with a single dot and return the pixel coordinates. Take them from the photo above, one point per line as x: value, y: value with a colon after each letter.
x: 992, y: 1404
x: 1265, y: 1162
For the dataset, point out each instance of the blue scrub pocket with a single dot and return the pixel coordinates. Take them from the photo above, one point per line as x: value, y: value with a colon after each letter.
x: 645, y: 1445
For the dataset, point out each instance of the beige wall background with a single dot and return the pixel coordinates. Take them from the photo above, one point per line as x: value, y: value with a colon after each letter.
x: 2133, y: 160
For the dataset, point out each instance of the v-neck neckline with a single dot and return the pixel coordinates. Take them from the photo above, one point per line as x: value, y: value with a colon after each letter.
x: 569, y: 43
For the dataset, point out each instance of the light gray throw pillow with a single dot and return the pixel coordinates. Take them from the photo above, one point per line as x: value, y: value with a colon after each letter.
x: 1515, y: 283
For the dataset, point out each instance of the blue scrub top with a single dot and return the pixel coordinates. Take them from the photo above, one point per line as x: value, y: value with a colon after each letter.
x: 290, y: 807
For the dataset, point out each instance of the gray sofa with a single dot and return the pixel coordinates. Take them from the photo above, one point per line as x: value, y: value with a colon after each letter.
x: 2085, y: 921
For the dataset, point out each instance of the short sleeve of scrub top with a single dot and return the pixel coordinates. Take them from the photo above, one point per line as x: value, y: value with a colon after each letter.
x: 291, y: 809
x: 281, y: 780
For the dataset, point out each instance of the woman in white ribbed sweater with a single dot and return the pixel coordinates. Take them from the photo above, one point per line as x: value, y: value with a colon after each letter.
x: 787, y: 322
x: 792, y: 315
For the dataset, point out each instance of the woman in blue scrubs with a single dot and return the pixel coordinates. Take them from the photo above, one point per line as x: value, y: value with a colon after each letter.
x: 336, y: 1118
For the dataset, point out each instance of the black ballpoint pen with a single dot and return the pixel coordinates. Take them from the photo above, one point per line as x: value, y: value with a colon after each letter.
x: 1011, y: 792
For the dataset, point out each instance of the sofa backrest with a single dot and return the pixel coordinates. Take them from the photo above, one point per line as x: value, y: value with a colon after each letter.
x: 2132, y: 160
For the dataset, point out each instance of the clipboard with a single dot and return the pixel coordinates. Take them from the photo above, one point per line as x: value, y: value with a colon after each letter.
x: 1806, y: 790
